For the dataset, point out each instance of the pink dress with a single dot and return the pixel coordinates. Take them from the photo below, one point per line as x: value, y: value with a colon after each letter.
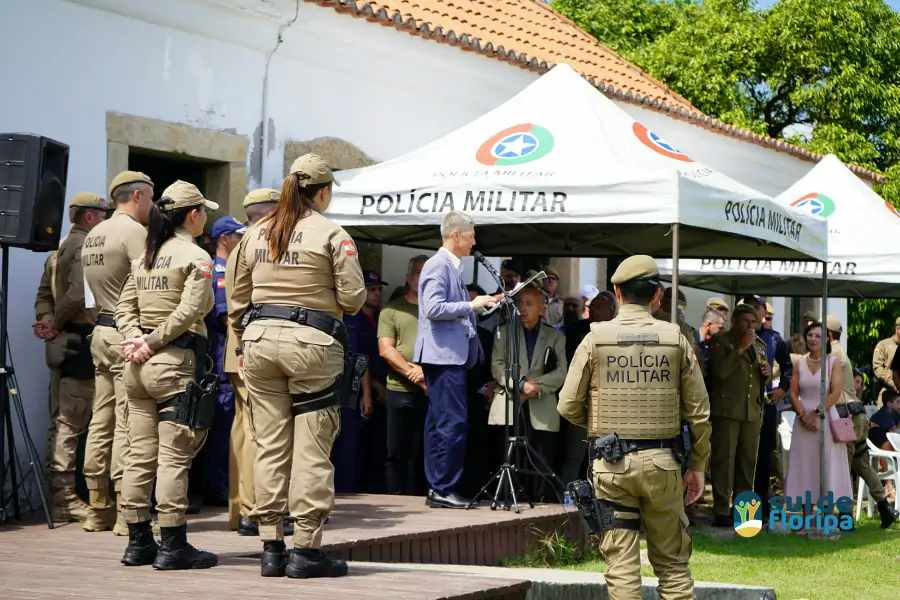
x: 803, y: 461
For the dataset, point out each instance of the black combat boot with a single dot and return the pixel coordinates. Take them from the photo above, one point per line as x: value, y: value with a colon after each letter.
x: 306, y: 563
x: 888, y: 514
x: 176, y: 554
x: 247, y: 527
x: 274, y: 559
x: 142, y: 548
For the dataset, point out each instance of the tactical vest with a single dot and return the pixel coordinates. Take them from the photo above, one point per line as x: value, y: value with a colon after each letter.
x: 636, y: 383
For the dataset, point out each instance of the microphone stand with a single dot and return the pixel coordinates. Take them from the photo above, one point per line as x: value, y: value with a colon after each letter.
x: 508, y: 489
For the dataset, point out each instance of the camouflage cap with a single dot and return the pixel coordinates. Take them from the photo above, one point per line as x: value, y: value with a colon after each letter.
x: 834, y: 324
x: 745, y: 309
x: 639, y: 266
x: 89, y: 200
x: 182, y: 194
x: 261, y: 196
x: 313, y: 170
x: 126, y: 177
x: 718, y: 304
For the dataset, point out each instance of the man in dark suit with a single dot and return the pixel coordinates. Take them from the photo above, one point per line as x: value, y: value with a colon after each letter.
x: 447, y: 347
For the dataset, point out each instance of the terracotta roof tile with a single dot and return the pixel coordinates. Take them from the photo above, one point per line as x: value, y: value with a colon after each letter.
x: 531, y: 35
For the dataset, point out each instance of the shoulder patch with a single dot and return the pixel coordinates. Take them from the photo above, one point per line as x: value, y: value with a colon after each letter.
x: 348, y: 247
x: 205, y: 270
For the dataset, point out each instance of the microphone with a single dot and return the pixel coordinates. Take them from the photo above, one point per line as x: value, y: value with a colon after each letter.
x: 486, y: 263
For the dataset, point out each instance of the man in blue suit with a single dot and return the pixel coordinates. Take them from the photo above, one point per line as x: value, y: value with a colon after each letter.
x: 447, y: 347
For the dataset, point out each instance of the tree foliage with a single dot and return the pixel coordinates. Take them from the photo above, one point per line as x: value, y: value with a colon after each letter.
x: 824, y: 74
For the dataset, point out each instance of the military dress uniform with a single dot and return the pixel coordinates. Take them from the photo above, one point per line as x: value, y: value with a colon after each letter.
x: 106, y: 259
x: 166, y: 305
x: 43, y: 308
x: 736, y: 397
x: 638, y: 377
x: 881, y: 362
x: 290, y: 369
x: 69, y: 352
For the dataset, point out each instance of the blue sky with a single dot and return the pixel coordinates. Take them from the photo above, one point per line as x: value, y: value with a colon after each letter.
x: 895, y: 4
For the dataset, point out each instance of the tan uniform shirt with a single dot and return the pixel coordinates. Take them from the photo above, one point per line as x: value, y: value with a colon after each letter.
x: 69, y: 278
x: 106, y: 257
x: 554, y: 313
x: 881, y: 362
x: 849, y: 393
x: 320, y: 271
x: 230, y: 361
x: 171, y: 298
x: 736, y: 385
x: 694, y: 401
x: 44, y: 301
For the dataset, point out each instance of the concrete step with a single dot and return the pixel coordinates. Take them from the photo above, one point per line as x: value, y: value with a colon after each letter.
x: 560, y: 584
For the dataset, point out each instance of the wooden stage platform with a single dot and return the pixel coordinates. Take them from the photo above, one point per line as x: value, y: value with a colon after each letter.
x: 66, y: 563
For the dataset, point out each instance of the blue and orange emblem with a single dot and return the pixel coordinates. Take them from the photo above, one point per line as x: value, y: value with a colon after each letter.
x: 816, y: 204
x: 515, y: 145
x: 657, y: 144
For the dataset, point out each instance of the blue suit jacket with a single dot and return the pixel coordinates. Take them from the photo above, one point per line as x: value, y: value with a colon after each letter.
x: 447, y: 334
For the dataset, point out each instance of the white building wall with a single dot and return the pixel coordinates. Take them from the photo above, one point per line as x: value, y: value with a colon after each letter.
x: 202, y: 63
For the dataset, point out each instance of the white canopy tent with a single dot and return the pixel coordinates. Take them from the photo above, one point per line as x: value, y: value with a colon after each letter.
x: 561, y: 170
x: 861, y: 259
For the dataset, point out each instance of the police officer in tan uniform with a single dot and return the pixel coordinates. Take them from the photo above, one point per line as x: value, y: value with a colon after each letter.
x: 849, y: 405
x: 241, y: 495
x: 160, y: 314
x: 882, y: 359
x: 106, y: 258
x: 296, y: 274
x: 606, y: 390
x: 43, y: 313
x: 68, y: 351
x: 738, y: 373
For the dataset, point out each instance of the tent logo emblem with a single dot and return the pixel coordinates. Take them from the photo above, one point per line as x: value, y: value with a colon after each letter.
x: 746, y: 522
x: 892, y: 208
x: 515, y: 145
x: 657, y: 144
x: 816, y: 204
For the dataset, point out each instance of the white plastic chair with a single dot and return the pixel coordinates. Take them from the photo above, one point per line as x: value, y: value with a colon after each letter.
x: 891, y: 474
x: 894, y: 439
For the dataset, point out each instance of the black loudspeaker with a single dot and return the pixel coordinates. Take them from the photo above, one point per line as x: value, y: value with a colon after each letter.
x: 33, y: 172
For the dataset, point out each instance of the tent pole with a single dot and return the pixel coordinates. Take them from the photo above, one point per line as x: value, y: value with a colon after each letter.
x: 676, y: 248
x: 823, y: 391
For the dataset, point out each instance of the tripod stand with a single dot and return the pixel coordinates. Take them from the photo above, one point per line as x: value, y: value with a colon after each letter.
x: 509, y: 490
x: 9, y: 401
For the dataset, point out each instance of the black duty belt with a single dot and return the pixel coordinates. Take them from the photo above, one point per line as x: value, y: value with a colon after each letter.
x: 186, y: 341
x: 316, y: 319
x: 612, y: 448
x: 106, y: 320
x: 638, y: 445
x: 850, y: 409
x: 81, y: 329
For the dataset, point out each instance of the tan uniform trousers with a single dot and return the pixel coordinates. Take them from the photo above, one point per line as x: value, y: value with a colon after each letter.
x: 158, y: 450
x: 106, y: 449
x: 242, y: 456
x: 650, y: 481
x: 860, y: 463
x: 52, y: 408
x: 293, y: 462
x: 71, y: 416
x: 732, y: 462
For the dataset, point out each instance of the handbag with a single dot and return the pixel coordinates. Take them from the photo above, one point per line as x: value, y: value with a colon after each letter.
x: 841, y: 427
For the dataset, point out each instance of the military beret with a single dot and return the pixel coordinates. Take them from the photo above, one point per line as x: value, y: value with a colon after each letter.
x: 126, y: 177
x: 313, y: 170
x: 639, y: 266
x: 89, y: 200
x: 261, y: 196
x: 718, y: 304
x: 182, y: 194
x: 834, y: 324
x: 745, y: 309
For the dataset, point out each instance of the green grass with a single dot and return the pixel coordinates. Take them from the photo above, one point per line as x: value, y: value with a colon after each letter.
x: 864, y: 565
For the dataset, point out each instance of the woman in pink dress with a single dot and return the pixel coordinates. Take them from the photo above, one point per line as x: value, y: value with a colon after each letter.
x: 803, y: 462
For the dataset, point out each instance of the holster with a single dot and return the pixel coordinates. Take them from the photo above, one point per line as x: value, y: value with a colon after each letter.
x: 612, y: 448
x: 600, y: 515
x: 344, y: 392
x: 78, y: 362
x: 196, y: 405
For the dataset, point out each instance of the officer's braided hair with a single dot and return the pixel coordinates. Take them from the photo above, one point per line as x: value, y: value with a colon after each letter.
x: 161, y: 228
x: 295, y: 203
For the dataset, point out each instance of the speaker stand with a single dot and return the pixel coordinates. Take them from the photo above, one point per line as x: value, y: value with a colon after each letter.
x: 10, y: 402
